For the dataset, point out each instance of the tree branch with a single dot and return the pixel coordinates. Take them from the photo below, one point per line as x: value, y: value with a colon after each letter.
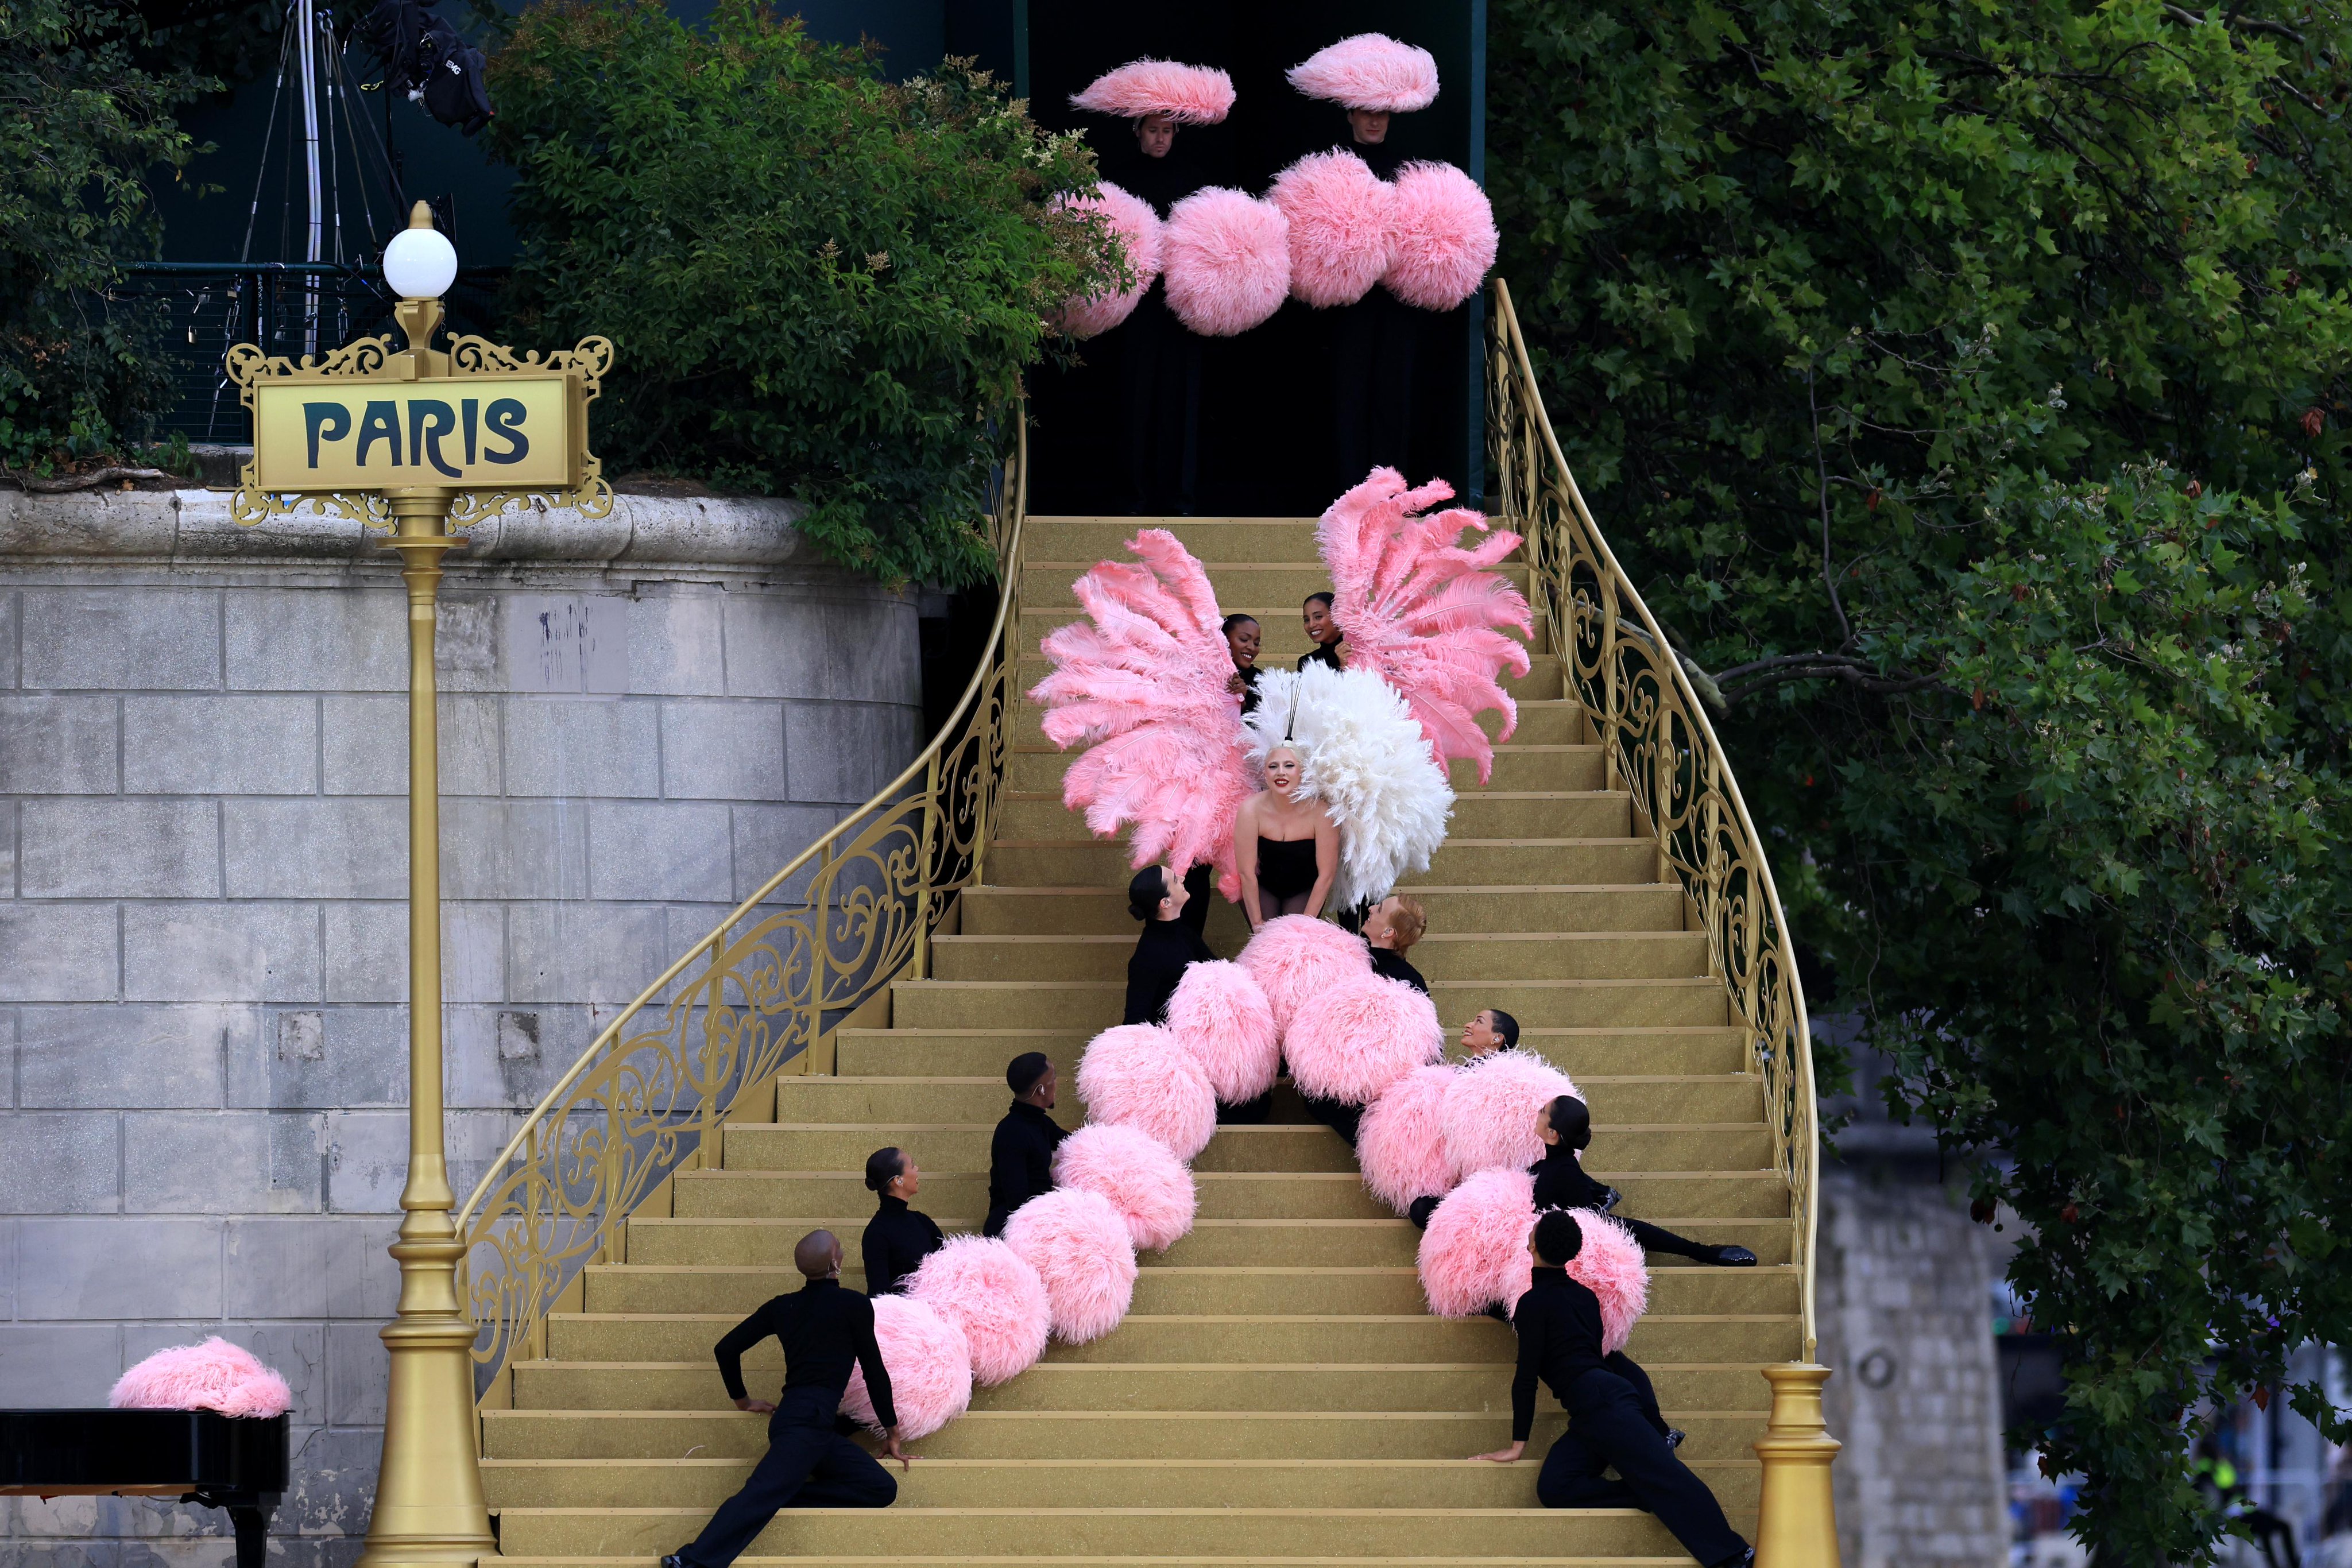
x: 1821, y: 477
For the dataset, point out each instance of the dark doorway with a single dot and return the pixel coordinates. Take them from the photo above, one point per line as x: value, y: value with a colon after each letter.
x: 1265, y: 443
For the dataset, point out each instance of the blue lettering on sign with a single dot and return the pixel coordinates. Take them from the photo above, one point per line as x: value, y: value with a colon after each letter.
x: 329, y: 420
x: 470, y: 414
x: 380, y: 423
x: 430, y: 419
x: 504, y: 416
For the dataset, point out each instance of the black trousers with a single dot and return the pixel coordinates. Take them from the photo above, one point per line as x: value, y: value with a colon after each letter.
x: 1159, y: 407
x: 1655, y: 1239
x: 1373, y: 345
x: 807, y: 1465
x: 1338, y: 1115
x: 1606, y: 1425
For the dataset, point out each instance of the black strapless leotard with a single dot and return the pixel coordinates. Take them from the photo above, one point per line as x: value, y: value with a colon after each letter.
x: 1286, y: 867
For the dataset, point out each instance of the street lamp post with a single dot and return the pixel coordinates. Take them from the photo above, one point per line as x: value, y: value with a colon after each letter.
x: 416, y: 440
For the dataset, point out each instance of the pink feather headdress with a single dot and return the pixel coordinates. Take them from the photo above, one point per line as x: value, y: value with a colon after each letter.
x: 1370, y: 70
x: 1425, y: 614
x: 1189, y: 95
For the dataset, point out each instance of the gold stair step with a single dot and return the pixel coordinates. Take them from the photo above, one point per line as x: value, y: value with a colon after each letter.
x: 1625, y: 906
x: 1698, y: 1050
x: 1440, y: 955
x: 1481, y: 814
x: 1556, y: 721
x: 1538, y: 1004
x: 1046, y: 584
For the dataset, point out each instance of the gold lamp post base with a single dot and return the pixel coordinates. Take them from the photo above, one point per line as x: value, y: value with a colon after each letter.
x: 1796, y: 1524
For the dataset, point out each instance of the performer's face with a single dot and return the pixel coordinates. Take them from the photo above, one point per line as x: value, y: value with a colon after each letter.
x: 1320, y: 628
x: 909, y: 1179
x: 1041, y: 1093
x: 1244, y: 639
x: 1478, y: 1036
x: 1173, y: 904
x: 1281, y: 770
x: 1371, y: 125
x: 1543, y: 1128
x: 1156, y: 134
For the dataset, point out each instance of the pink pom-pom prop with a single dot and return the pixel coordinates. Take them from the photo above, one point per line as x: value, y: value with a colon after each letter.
x: 1443, y: 229
x: 1611, y: 1265
x: 1294, y: 955
x: 1400, y: 1142
x: 1350, y: 1040
x: 1137, y: 1075
x: 930, y: 1363
x: 213, y: 1375
x: 1150, y: 1187
x: 1225, y: 260
x: 1131, y: 220
x: 1189, y: 95
x: 1475, y: 1252
x: 990, y: 1292
x: 1491, y: 1107
x: 1079, y: 1244
x: 1340, y: 215
x: 1370, y: 70
x: 1220, y: 1015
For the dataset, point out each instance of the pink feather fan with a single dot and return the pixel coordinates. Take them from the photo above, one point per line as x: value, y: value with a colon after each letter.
x: 1294, y: 955
x: 1079, y: 1244
x: 213, y: 1375
x: 1137, y: 1075
x: 1137, y: 228
x: 1348, y: 1042
x: 1219, y: 1015
x: 1339, y: 213
x: 1611, y: 1265
x: 1425, y: 614
x: 1370, y: 70
x: 1443, y: 232
x: 930, y: 1363
x: 1490, y: 1110
x: 1189, y: 95
x: 1400, y: 1142
x: 1150, y: 1187
x: 1227, y: 258
x: 1475, y: 1252
x: 987, y: 1290
x: 1142, y: 683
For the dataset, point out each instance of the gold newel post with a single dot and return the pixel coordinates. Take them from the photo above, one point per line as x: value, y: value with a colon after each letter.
x: 1796, y: 1516
x: 416, y: 440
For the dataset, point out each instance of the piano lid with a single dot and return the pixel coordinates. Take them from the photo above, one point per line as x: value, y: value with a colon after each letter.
x: 57, y: 1452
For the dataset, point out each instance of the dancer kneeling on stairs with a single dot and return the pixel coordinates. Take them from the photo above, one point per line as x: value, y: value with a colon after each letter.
x: 1170, y: 945
x: 1021, y: 1154
x: 825, y: 1328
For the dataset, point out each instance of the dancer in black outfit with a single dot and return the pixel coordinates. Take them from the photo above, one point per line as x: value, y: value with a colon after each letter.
x: 898, y: 1238
x: 1020, y: 1155
x: 1168, y: 946
x: 1321, y: 629
x: 1558, y: 1325
x: 1244, y: 638
x: 1566, y: 1127
x: 1374, y: 345
x: 824, y: 1327
x: 1160, y: 360
x: 1394, y: 925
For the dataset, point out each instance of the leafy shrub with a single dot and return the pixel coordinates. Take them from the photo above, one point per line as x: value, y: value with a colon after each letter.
x: 817, y: 282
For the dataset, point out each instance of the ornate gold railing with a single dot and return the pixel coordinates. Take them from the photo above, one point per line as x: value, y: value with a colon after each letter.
x: 1657, y: 743
x: 852, y: 913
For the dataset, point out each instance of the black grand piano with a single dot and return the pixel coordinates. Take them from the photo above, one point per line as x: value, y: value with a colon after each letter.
x: 196, y: 1456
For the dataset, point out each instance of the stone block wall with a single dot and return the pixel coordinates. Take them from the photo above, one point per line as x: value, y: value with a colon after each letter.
x: 202, y: 931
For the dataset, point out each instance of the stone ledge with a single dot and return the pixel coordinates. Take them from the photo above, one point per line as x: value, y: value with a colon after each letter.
x: 173, y: 528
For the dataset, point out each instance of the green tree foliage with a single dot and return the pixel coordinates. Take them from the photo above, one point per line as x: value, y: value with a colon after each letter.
x: 817, y: 282
x: 82, y: 126
x: 1965, y: 384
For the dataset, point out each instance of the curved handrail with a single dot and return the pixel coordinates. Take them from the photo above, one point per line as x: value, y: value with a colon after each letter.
x: 636, y: 1107
x: 1657, y: 743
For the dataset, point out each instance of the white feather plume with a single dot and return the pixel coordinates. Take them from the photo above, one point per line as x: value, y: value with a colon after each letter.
x: 1367, y: 760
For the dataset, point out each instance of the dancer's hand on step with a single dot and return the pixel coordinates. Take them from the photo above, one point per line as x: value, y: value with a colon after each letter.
x: 1504, y: 1456
x: 756, y: 1407
x: 890, y: 1447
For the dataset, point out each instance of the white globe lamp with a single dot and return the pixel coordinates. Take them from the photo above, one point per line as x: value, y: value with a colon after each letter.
x: 420, y: 263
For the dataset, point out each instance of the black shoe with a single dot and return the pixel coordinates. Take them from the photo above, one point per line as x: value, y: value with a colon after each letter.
x: 1676, y: 1436
x: 1609, y: 1199
x: 1419, y: 1211
x: 1742, y: 1559
x: 673, y: 1561
x: 1733, y: 1257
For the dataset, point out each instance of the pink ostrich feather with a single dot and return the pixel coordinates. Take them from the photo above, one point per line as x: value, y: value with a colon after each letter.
x: 1423, y: 614
x: 1150, y: 1187
x: 1350, y: 1041
x: 930, y: 1363
x: 1400, y: 1142
x: 1189, y: 95
x: 1141, y: 684
x: 1139, y: 1075
x: 990, y: 1292
x: 1490, y: 1110
x: 1137, y: 227
x: 1444, y: 228
x: 1339, y: 213
x: 1294, y: 955
x: 1225, y: 258
x: 213, y: 1375
x: 1475, y: 1252
x: 1612, y: 1267
x: 1370, y: 70
x: 1219, y: 1015
x: 1079, y: 1244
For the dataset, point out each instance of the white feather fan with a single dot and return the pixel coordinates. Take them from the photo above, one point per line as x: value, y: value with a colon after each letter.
x: 1369, y: 763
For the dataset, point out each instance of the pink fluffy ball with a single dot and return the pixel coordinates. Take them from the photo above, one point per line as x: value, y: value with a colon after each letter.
x: 1132, y: 219
x: 1220, y: 1015
x: 1079, y: 1244
x: 1352, y: 1040
x: 930, y: 1365
x: 1292, y: 957
x: 1611, y: 1265
x: 1400, y: 1142
x: 1491, y: 1108
x: 1474, y: 1252
x: 1139, y: 1075
x: 1226, y: 259
x: 1339, y: 213
x: 213, y: 1375
x: 988, y: 1290
x: 1444, y: 233
x: 1150, y: 1187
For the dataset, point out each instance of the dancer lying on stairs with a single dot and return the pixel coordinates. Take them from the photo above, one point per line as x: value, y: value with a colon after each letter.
x: 1390, y: 928
x: 898, y: 1238
x: 824, y: 1327
x: 1566, y: 1127
x: 1558, y: 1325
x: 1020, y: 1155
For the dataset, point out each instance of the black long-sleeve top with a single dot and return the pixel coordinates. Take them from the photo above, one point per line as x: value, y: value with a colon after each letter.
x: 1323, y: 654
x: 1381, y: 157
x: 1249, y: 687
x: 824, y: 1327
x: 1561, y: 1181
x: 1558, y: 1325
x: 1392, y: 966
x: 1021, y: 1157
x: 1162, y: 956
x: 897, y: 1240
x: 1162, y: 182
